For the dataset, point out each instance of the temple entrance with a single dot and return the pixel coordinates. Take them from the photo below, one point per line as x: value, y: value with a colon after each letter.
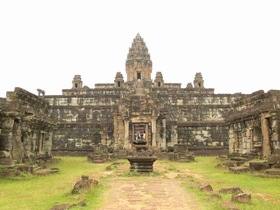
x: 140, y: 132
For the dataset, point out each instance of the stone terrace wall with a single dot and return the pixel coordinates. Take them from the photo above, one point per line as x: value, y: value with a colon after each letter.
x: 196, y: 117
x: 83, y: 120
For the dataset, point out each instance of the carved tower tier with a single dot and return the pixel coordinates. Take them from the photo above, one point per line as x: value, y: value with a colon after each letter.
x: 138, y: 63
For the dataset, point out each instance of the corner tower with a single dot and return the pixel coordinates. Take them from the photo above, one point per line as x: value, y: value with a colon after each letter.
x: 138, y: 62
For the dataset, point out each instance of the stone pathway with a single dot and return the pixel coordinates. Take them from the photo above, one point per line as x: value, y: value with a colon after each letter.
x: 148, y: 193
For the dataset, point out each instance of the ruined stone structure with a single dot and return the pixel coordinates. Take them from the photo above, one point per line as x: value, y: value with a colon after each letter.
x: 254, y: 124
x: 163, y: 114
x: 25, y: 128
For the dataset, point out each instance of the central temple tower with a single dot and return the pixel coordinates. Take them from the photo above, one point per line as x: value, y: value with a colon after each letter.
x: 138, y: 63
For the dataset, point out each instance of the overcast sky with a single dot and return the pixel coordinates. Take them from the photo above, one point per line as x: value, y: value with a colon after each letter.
x: 234, y: 44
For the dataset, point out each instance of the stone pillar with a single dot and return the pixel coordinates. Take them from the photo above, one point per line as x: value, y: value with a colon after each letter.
x: 146, y: 132
x: 244, y: 140
x: 26, y: 142
x: 250, y: 139
x: 116, y: 128
x: 126, y: 134
x: 33, y: 142
x: 6, y: 142
x: 133, y: 133
x: 17, y: 147
x: 48, y: 145
x: 154, y: 130
x: 163, y: 142
x: 231, y: 140
x: 266, y: 150
x: 174, y: 137
x: 275, y: 139
x: 42, y: 142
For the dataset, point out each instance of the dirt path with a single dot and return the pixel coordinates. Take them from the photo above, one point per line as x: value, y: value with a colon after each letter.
x: 148, y: 193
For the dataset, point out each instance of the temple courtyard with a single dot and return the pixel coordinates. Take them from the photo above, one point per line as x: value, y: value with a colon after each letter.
x: 201, y: 184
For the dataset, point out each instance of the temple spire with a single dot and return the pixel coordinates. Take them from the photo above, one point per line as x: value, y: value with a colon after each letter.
x: 138, y: 63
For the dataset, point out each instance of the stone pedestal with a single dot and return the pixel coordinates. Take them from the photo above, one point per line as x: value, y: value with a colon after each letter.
x: 141, y: 164
x: 142, y: 160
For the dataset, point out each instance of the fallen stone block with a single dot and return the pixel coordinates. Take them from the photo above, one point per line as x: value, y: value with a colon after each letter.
x: 242, y: 198
x: 44, y: 172
x: 274, y: 159
x: 239, y: 169
x: 258, y: 166
x: 226, y: 164
x: 273, y: 172
x: 26, y: 168
x: 206, y: 188
x: 84, y: 184
x: 229, y: 206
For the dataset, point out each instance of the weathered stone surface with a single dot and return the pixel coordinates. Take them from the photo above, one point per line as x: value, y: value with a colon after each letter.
x: 273, y: 172
x: 141, y: 164
x: 9, y: 172
x: 241, y: 197
x: 181, y: 153
x: 25, y: 128
x: 239, y: 169
x: 99, y: 154
x: 206, y: 187
x: 120, y: 153
x: 84, y: 185
x: 254, y: 124
x: 229, y: 206
x: 6, y: 159
x: 163, y: 113
x: 258, y: 166
x: 274, y: 159
x: 227, y: 164
x: 142, y: 159
x: 26, y: 168
x: 44, y: 172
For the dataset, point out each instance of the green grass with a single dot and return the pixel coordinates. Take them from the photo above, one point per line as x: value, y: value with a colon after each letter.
x: 265, y: 191
x: 29, y: 192
x: 43, y: 192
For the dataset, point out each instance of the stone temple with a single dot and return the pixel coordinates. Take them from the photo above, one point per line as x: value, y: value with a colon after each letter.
x: 163, y: 114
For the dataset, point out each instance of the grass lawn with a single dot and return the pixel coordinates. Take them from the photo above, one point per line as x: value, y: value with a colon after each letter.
x: 42, y: 192
x: 265, y: 192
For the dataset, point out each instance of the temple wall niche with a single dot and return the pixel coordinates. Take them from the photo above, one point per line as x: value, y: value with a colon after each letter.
x: 245, y: 137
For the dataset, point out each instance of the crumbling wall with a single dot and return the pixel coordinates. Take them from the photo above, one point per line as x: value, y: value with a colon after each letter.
x: 83, y: 120
x: 254, y: 124
x: 98, y: 115
x: 196, y: 117
x: 26, y: 128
